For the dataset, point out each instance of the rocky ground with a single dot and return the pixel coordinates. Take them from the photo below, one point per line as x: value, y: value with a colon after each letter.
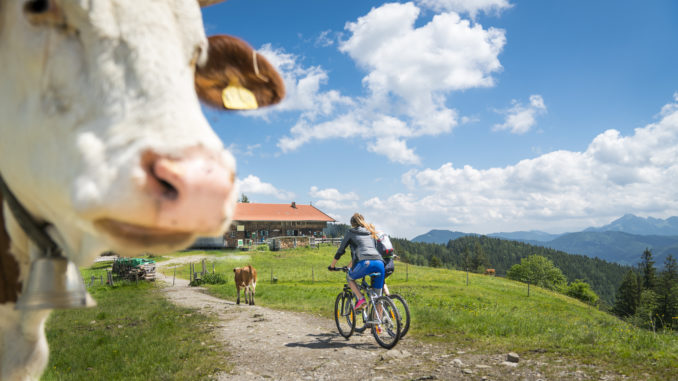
x: 268, y: 344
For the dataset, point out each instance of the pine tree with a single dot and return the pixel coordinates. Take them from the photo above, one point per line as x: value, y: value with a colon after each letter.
x: 628, y: 296
x: 466, y: 259
x: 667, y: 293
x: 647, y: 270
x: 646, y: 315
x: 435, y: 262
x: 479, y: 261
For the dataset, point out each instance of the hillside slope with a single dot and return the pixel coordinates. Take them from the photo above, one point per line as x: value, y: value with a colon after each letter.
x: 489, y: 315
x: 603, y: 276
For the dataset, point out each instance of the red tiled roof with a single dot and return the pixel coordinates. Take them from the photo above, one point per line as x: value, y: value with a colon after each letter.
x: 278, y: 212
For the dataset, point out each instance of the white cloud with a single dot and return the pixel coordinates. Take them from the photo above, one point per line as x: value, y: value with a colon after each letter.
x: 472, y: 7
x: 557, y: 191
x: 331, y: 193
x: 395, y: 150
x: 302, y: 86
x: 410, y: 70
x: 253, y: 185
x: 448, y: 53
x: 333, y: 200
x: 325, y: 38
x: 520, y: 118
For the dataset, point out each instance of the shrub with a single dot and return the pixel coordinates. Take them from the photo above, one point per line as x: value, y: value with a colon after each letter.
x: 215, y: 278
x: 582, y: 291
x: 208, y: 278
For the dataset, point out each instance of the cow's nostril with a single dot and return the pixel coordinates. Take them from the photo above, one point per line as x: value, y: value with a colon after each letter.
x: 192, y: 190
x: 160, y: 181
x: 168, y: 191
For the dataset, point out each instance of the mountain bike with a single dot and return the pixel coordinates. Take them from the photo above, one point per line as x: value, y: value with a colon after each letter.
x: 398, y: 301
x: 381, y: 314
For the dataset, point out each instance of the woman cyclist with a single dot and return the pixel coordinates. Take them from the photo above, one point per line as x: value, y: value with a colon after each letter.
x: 364, y: 256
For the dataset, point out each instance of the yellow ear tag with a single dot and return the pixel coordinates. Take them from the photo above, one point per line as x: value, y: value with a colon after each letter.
x: 236, y: 97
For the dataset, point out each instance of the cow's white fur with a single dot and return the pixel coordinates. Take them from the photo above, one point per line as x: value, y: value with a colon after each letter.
x: 76, y: 111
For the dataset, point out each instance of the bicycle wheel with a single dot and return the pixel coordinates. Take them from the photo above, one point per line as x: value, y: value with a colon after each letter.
x: 344, y: 315
x: 404, y: 311
x: 386, y: 327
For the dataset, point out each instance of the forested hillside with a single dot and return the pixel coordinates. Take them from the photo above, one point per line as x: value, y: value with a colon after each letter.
x: 478, y: 252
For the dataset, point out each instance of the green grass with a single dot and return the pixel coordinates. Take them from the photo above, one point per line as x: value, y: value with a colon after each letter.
x: 133, y: 334
x: 490, y: 315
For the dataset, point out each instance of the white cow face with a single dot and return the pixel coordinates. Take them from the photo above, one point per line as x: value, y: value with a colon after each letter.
x: 101, y: 131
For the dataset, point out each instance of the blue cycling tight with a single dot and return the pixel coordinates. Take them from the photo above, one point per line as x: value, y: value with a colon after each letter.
x: 364, y: 268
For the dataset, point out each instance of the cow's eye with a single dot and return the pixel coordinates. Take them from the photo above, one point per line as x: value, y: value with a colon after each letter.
x: 34, y: 7
x: 45, y: 13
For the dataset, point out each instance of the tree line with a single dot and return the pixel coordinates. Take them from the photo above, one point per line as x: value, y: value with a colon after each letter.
x: 647, y: 298
x: 476, y: 253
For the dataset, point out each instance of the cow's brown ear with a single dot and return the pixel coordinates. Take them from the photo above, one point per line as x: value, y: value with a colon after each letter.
x: 9, y: 268
x: 235, y: 77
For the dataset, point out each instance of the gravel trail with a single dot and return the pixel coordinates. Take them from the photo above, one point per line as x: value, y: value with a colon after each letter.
x: 267, y: 344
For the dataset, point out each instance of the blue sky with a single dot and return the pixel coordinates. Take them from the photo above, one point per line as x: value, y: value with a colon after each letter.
x: 470, y: 115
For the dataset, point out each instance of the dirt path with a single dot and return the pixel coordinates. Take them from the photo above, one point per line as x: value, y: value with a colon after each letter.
x: 267, y: 344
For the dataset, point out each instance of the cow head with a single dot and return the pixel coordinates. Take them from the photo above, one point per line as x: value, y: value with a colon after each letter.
x: 101, y: 130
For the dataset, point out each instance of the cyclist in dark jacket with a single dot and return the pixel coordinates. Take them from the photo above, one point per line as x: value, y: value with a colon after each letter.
x: 364, y: 256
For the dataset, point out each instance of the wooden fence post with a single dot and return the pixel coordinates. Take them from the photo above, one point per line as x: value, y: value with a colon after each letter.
x: 407, y: 272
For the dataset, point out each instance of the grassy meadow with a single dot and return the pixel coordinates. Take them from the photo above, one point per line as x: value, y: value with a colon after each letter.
x: 489, y: 315
x: 135, y: 334
x: 132, y: 334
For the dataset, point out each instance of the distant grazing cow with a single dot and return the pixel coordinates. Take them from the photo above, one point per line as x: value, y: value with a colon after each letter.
x: 489, y: 272
x: 103, y: 140
x: 246, y: 278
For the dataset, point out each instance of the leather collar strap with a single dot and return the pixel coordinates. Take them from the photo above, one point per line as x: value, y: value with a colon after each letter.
x: 36, y: 231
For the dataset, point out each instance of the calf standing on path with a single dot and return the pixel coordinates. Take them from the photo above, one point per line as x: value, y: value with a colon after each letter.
x: 246, y: 278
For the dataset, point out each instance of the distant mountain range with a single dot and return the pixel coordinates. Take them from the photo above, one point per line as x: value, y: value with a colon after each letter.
x: 622, y: 241
x: 641, y: 226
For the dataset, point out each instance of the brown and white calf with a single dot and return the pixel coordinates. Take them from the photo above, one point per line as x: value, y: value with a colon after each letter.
x: 103, y: 137
x: 246, y: 279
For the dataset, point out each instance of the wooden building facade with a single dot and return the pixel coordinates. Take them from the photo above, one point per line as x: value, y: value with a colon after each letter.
x: 255, y: 223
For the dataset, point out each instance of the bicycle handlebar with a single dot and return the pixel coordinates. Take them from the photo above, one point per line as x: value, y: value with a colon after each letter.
x: 344, y: 269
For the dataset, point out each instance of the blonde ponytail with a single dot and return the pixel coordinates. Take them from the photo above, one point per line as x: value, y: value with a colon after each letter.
x: 359, y: 220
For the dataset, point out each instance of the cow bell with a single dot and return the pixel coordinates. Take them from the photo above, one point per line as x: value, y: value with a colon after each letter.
x: 54, y: 282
